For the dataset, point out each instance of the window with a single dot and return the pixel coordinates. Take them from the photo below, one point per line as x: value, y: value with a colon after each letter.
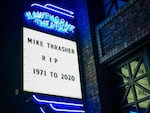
x: 111, y: 6
x: 135, y: 83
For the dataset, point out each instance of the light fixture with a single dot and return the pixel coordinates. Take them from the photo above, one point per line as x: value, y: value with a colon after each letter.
x: 54, y: 9
x: 74, y: 107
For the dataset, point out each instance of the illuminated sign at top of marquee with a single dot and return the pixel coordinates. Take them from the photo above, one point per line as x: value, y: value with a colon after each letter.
x: 50, y: 21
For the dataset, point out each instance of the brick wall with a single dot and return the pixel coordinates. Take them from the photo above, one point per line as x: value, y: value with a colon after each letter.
x: 92, y: 102
x: 127, y: 26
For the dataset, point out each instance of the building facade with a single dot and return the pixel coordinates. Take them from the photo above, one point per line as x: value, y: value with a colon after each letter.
x: 122, y: 58
x: 114, y: 52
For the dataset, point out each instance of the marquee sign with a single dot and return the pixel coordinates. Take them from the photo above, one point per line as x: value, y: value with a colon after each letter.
x: 50, y: 17
x: 50, y: 65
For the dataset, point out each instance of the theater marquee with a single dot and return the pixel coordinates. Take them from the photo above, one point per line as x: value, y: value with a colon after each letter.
x: 50, y: 65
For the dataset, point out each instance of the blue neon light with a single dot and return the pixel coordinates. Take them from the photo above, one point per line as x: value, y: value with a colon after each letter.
x: 72, y: 109
x: 51, y: 9
x: 42, y: 110
x: 49, y: 21
x: 66, y: 110
x: 55, y: 102
x: 46, y: 19
x: 133, y: 112
x: 59, y: 8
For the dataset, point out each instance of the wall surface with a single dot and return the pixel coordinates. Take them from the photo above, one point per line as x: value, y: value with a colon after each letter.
x: 124, y: 31
x: 126, y: 27
x: 92, y: 102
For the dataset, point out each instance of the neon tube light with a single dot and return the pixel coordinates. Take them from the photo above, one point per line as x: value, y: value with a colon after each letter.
x: 47, y: 5
x: 66, y: 110
x: 55, y: 102
x: 133, y: 112
x: 35, y: 4
x: 42, y: 110
x: 49, y: 21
